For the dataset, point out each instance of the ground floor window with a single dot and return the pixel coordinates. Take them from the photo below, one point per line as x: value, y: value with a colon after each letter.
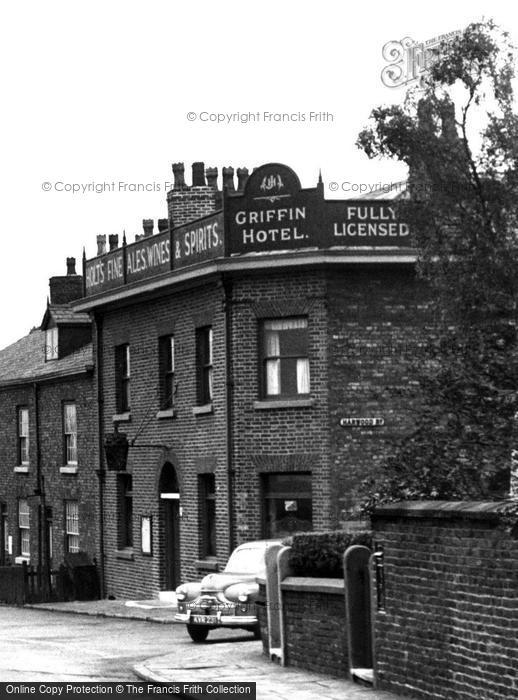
x: 72, y: 526
x: 24, y: 528
x: 125, y: 507
x: 4, y: 534
x: 287, y: 504
x: 207, y: 510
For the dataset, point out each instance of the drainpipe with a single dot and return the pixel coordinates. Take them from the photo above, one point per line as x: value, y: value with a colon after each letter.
x: 227, y: 286
x: 40, y: 492
x: 101, y: 472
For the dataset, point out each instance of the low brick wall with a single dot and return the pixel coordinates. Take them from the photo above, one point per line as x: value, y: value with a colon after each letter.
x: 314, y: 625
x: 450, y: 624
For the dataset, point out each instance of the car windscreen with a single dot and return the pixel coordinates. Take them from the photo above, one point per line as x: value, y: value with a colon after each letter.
x: 248, y: 560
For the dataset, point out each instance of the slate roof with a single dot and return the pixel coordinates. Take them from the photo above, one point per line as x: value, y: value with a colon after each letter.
x: 64, y: 314
x: 25, y: 360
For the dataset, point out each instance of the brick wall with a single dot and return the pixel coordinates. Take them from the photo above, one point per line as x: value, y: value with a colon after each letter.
x: 59, y: 487
x: 449, y: 625
x: 378, y: 320
x: 314, y: 625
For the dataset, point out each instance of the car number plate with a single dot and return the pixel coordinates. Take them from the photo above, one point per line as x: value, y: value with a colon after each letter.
x: 205, y: 619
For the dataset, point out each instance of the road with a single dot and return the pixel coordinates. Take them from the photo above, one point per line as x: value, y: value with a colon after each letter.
x: 37, y: 645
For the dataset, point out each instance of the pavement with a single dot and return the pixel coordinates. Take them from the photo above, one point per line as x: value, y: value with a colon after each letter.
x: 221, y: 661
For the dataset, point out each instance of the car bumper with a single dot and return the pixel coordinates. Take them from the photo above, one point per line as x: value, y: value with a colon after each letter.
x: 221, y: 621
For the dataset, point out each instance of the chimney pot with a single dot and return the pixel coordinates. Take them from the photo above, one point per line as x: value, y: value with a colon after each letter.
x: 163, y: 225
x: 228, y: 179
x: 212, y: 177
x: 113, y: 239
x: 242, y: 177
x: 101, y: 244
x: 198, y: 175
x: 179, y: 176
x: 148, y: 225
x: 71, y: 266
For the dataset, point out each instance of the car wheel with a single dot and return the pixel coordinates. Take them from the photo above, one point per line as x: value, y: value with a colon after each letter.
x: 257, y: 632
x: 198, y: 633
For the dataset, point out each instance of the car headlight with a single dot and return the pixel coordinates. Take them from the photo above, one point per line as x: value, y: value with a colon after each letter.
x: 180, y: 596
x: 242, y: 597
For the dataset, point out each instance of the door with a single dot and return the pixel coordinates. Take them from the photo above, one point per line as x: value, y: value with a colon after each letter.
x: 358, y: 611
x: 172, y: 543
x: 170, y: 513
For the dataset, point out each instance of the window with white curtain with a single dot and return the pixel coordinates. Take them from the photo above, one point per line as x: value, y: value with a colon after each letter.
x: 70, y: 433
x: 285, y: 362
x: 72, y: 525
x: 24, y: 528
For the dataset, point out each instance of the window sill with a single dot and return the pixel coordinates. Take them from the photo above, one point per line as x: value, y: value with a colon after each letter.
x: 203, y: 410
x: 22, y: 560
x: 22, y: 469
x: 209, y: 564
x: 121, y: 417
x: 68, y: 469
x: 266, y: 404
x: 166, y: 413
x: 126, y: 553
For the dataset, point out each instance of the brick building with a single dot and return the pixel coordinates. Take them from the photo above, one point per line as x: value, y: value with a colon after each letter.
x: 254, y: 353
x: 48, y: 482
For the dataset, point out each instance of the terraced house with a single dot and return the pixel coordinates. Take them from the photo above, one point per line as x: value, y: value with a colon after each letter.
x: 48, y: 457
x: 252, y: 359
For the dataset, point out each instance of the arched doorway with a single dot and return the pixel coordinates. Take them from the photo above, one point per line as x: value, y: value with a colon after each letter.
x: 169, y: 507
x: 358, y: 586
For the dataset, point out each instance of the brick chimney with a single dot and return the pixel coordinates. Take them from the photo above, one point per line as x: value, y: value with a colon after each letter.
x: 242, y: 177
x: 163, y: 225
x: 186, y: 203
x: 113, y: 239
x: 147, y: 225
x: 66, y: 288
x: 101, y: 244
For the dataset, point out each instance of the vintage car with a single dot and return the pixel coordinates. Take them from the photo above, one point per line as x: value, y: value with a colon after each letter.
x: 227, y: 598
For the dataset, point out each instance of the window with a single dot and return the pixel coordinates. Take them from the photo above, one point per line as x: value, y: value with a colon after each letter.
x: 125, y: 496
x: 72, y: 526
x: 166, y: 361
x: 70, y: 433
x: 51, y: 344
x: 284, y: 357
x: 287, y: 503
x: 204, y: 364
x: 122, y: 373
x: 207, y: 505
x: 23, y: 436
x: 24, y: 528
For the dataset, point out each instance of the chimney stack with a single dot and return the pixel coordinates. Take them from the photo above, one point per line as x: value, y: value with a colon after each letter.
x: 113, y: 240
x: 212, y: 177
x: 101, y: 244
x: 228, y: 179
x: 242, y: 177
x: 163, y: 225
x: 179, y: 176
x: 198, y: 175
x: 66, y: 288
x: 147, y: 225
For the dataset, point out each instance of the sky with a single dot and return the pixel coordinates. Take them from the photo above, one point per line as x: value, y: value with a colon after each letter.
x: 102, y: 97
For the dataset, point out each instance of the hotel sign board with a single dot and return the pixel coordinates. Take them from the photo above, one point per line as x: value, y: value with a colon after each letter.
x: 199, y: 241
x: 148, y: 257
x: 273, y: 214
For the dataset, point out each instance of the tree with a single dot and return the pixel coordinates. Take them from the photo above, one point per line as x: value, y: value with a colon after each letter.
x: 458, y: 134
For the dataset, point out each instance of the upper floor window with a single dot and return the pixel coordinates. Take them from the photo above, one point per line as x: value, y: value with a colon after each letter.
x: 24, y: 528
x: 23, y: 436
x: 72, y: 526
x: 70, y: 433
x: 122, y: 375
x: 204, y: 364
x: 51, y: 344
x: 284, y: 357
x: 166, y: 361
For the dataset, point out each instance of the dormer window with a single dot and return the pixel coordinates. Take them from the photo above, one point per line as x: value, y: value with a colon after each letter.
x: 51, y: 344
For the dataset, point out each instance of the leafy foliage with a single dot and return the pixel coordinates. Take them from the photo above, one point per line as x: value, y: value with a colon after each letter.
x: 320, y: 554
x: 463, y: 207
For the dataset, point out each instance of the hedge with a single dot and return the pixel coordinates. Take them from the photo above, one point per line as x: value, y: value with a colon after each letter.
x: 320, y: 554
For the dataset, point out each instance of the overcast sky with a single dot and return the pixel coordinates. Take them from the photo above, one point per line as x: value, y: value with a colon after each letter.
x: 99, y: 92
